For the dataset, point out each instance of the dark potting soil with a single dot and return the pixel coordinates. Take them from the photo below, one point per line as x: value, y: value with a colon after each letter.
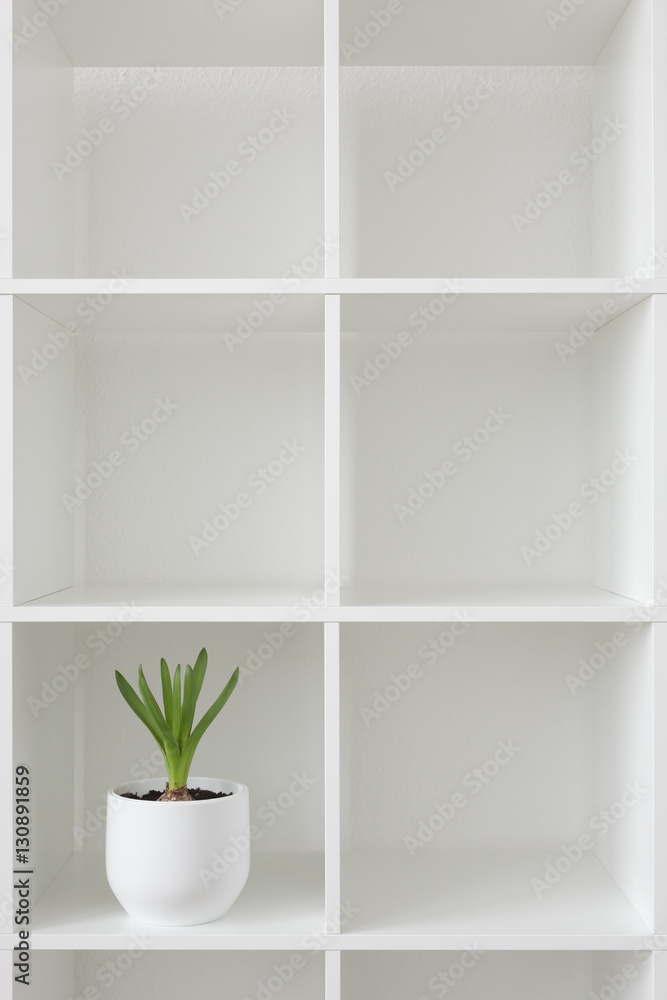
x: 198, y: 795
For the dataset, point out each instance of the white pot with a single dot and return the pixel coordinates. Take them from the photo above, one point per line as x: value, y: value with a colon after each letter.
x: 177, y: 863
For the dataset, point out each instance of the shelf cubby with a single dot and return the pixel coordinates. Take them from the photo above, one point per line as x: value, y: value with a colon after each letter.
x: 469, y: 428
x: 477, y: 974
x: 165, y: 142
x: 498, y: 781
x: 481, y: 140
x: 172, y: 974
x: 331, y: 338
x: 204, y: 445
x: 67, y: 713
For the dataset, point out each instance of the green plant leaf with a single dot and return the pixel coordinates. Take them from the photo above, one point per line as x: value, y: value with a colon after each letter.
x: 139, y: 709
x: 203, y: 724
x: 153, y: 707
x: 189, y: 703
x: 176, y: 704
x: 200, y: 670
x: 167, y: 693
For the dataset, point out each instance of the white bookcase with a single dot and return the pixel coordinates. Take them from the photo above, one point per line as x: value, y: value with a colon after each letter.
x: 332, y: 337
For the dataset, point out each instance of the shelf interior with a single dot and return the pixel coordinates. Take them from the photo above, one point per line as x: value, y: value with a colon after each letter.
x: 170, y: 973
x: 478, y: 445
x: 489, y: 144
x: 283, y: 899
x: 488, y: 32
x: 477, y: 974
x: 171, y: 445
x: 534, y: 736
x: 68, y: 711
x: 484, y: 893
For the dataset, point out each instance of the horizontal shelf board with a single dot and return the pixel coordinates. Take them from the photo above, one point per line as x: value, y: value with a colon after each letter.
x: 493, y: 32
x: 486, y: 896
x: 282, y: 903
x: 131, y: 33
x: 203, y: 313
x: 321, y: 286
x: 301, y: 604
x: 497, y: 603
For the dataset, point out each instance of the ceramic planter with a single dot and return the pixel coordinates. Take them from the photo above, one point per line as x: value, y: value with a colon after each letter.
x: 177, y: 863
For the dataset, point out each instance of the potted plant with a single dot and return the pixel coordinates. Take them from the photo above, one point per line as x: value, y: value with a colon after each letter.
x: 162, y: 836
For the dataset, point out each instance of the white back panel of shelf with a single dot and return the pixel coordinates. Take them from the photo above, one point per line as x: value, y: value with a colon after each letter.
x: 44, y: 455
x: 623, y: 174
x: 43, y: 122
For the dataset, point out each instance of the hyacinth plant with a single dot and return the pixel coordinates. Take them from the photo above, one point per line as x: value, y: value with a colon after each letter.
x: 172, y: 729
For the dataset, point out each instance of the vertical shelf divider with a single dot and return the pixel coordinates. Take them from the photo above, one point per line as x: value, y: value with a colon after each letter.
x: 332, y: 449
x: 6, y: 449
x: 331, y: 771
x: 6, y: 97
x: 659, y: 14
x: 332, y: 135
x: 332, y: 973
x: 660, y: 781
x: 659, y: 387
x: 7, y: 784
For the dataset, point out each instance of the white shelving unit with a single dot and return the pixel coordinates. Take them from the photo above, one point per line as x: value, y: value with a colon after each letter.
x: 332, y: 337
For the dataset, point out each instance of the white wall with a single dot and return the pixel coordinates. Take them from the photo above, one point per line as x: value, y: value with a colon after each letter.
x: 166, y: 33
x: 192, y: 122
x: 43, y: 454
x: 624, y: 175
x: 493, y: 682
x: 491, y: 32
x: 234, y: 413
x: 471, y: 531
x: 453, y: 215
x: 42, y: 127
x: 205, y: 975
x: 623, y: 359
x: 44, y: 739
x: 501, y: 975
